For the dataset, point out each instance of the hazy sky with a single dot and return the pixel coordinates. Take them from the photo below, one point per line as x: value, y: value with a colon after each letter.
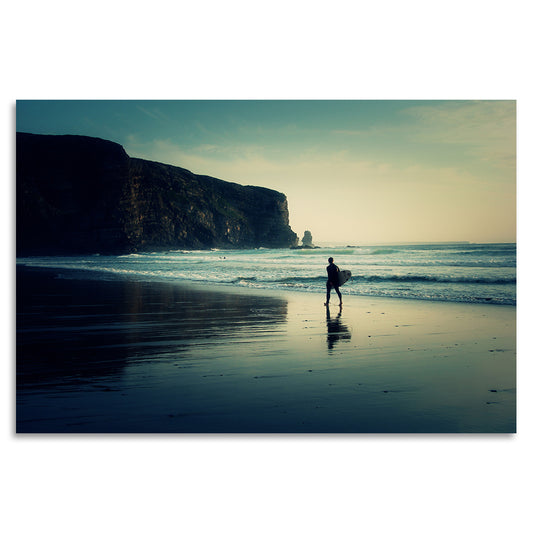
x: 353, y: 171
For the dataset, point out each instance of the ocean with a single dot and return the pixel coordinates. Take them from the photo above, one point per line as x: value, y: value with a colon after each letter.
x: 473, y: 273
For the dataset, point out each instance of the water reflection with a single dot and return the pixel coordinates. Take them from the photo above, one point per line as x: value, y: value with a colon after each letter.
x: 336, y: 329
x: 71, y: 331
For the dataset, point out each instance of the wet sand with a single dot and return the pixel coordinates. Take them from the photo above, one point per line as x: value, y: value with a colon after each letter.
x: 151, y: 357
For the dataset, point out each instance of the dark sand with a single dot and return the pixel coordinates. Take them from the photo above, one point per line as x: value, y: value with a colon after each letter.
x: 151, y: 357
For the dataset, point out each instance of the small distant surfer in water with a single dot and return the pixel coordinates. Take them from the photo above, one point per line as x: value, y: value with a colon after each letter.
x: 333, y: 281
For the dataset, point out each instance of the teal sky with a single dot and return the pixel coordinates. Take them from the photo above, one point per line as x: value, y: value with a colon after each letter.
x: 353, y: 171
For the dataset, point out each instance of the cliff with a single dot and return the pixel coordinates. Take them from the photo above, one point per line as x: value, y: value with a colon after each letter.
x: 80, y: 195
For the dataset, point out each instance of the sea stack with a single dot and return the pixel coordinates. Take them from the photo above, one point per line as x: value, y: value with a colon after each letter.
x: 307, y: 239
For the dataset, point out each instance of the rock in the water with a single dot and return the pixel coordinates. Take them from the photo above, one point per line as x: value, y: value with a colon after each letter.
x: 307, y: 239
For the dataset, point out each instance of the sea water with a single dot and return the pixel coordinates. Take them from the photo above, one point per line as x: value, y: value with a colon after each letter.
x: 475, y: 273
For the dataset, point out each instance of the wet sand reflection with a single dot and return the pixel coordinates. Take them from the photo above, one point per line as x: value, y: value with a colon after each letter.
x: 337, y: 330
x: 71, y: 331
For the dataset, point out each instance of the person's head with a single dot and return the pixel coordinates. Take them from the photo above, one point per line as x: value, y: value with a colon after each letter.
x: 330, y: 260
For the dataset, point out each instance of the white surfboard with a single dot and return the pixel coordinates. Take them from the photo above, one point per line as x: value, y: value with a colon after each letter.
x: 344, y: 276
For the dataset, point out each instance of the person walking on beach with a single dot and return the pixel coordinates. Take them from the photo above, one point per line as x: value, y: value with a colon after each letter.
x: 333, y: 281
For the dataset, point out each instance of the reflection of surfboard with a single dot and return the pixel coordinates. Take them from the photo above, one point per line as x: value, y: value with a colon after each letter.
x: 344, y: 276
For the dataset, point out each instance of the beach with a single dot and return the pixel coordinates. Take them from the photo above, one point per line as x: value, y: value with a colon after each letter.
x: 131, y: 356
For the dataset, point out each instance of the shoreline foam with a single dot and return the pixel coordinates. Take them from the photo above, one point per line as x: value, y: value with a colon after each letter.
x: 474, y: 276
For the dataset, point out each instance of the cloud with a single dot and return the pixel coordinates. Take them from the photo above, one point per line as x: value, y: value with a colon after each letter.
x: 348, y: 132
x: 486, y: 129
x: 154, y: 113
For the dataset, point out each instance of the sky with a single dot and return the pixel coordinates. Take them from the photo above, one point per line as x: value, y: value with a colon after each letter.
x: 354, y: 171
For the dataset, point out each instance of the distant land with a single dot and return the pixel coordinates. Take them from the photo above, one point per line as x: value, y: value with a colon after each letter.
x: 412, y: 243
x: 415, y: 243
x: 340, y: 244
x: 78, y: 195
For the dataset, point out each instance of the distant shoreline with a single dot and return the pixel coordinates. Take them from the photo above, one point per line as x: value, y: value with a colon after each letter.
x: 322, y: 245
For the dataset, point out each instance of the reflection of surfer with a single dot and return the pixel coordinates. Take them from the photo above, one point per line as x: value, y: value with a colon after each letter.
x: 336, y: 329
x: 333, y: 281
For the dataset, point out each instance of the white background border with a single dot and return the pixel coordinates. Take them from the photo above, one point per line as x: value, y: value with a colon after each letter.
x: 236, y: 49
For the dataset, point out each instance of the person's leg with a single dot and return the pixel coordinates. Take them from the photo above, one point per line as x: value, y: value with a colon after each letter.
x: 328, y: 292
x: 338, y: 294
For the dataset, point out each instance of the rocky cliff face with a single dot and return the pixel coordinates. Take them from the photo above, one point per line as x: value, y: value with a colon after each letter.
x: 85, y: 195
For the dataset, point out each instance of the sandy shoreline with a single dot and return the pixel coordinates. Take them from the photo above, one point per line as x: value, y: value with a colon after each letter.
x: 128, y: 357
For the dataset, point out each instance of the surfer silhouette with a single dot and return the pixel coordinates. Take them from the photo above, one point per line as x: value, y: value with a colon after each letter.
x: 333, y: 281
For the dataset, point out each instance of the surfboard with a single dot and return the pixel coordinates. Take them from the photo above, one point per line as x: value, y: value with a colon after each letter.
x: 344, y: 276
